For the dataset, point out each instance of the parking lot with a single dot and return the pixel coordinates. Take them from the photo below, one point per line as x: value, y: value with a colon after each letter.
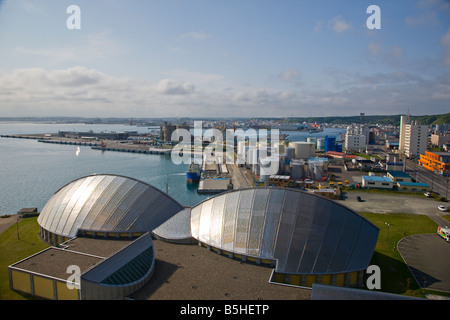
x: 385, y: 202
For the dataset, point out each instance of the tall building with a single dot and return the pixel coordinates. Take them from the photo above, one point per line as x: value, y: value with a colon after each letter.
x: 413, y: 137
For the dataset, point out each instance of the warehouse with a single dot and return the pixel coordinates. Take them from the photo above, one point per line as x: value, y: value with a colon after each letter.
x: 377, y: 182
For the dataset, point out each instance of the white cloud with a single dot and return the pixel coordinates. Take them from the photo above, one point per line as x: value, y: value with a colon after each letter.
x: 289, y: 74
x: 80, y: 91
x: 445, y: 42
x: 374, y: 48
x: 195, y: 35
x: 339, y: 25
x: 171, y: 87
x: 424, y: 19
x: 86, y: 49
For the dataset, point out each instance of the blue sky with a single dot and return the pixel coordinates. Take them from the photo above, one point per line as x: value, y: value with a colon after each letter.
x: 223, y: 58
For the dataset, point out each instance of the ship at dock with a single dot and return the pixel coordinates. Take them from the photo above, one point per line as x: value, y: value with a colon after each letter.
x: 193, y: 174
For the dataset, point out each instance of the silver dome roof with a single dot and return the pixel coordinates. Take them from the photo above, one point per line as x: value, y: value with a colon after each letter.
x: 303, y: 232
x: 108, y: 203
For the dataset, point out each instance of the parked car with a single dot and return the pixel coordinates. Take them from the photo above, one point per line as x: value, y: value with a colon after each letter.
x: 443, y: 208
x: 427, y: 194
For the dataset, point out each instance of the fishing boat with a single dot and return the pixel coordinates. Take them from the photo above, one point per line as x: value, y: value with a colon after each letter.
x: 193, y: 174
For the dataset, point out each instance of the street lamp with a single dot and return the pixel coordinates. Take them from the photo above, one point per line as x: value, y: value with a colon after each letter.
x: 17, y: 224
x: 387, y: 232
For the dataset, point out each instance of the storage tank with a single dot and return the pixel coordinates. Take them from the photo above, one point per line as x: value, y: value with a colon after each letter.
x: 304, y: 150
x: 297, y: 170
x: 269, y: 166
x: 320, y: 144
x: 252, y: 155
x: 312, y: 140
x: 318, y: 174
x: 281, y: 148
x: 290, y: 153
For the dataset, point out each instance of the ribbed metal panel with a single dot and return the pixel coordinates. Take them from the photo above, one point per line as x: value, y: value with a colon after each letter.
x: 90, y: 202
x: 124, y: 206
x: 243, y: 221
x: 195, y: 220
x: 100, y: 202
x: 215, y: 231
x: 205, y: 222
x: 54, y: 220
x: 109, y: 209
x: 81, y: 203
x: 106, y: 203
x: 303, y: 232
x: 77, y: 194
x: 258, y: 218
x: 229, y: 221
x: 286, y: 228
x: 270, y: 232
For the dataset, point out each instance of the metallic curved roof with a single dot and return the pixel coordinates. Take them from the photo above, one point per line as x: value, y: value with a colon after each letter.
x: 303, y: 232
x: 108, y: 203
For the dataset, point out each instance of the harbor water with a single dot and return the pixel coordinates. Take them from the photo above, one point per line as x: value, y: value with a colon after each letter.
x: 31, y: 172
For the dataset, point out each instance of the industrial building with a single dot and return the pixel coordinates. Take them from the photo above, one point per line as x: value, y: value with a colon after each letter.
x: 376, y: 182
x: 166, y: 130
x: 97, y: 135
x: 437, y: 162
x: 106, y: 225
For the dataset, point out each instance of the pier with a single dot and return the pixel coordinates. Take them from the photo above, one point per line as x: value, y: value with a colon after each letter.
x: 104, y: 145
x: 133, y: 150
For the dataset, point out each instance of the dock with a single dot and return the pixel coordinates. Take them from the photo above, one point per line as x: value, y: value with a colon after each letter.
x: 214, y: 185
x: 107, y: 145
x: 133, y: 150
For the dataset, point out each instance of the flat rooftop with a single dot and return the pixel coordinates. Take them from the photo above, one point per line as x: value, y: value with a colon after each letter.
x: 54, y: 262
x: 191, y: 272
x: 83, y: 252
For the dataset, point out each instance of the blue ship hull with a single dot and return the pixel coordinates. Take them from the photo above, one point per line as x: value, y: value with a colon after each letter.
x: 192, y: 176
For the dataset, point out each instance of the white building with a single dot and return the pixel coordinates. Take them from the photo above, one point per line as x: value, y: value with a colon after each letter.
x: 376, y: 182
x: 357, y: 138
x: 413, y: 137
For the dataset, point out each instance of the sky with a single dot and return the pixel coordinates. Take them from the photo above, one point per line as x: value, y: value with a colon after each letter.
x: 223, y: 58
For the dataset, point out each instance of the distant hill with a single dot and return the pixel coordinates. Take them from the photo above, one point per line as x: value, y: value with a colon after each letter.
x: 380, y: 119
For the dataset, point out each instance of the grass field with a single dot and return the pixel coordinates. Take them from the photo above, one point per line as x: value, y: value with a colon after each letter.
x: 395, y: 275
x: 13, y: 250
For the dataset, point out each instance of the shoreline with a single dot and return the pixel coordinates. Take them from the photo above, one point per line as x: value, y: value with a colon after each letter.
x: 5, y: 223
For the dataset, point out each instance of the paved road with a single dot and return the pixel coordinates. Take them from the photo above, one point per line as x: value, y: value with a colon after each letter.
x: 437, y: 183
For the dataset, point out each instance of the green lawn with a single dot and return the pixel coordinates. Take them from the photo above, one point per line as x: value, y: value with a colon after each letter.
x: 395, y: 275
x: 13, y: 250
